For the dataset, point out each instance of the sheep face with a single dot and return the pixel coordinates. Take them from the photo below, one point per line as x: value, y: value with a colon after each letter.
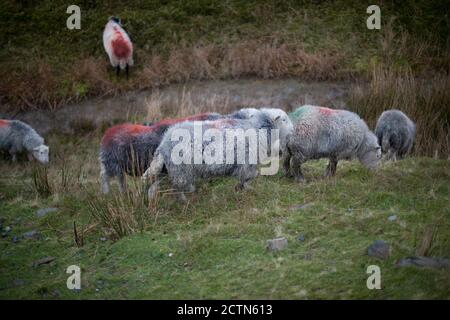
x: 41, y: 154
x: 371, y: 155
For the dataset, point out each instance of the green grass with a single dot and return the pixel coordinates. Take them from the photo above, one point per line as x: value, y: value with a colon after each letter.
x: 69, y: 65
x: 216, y: 247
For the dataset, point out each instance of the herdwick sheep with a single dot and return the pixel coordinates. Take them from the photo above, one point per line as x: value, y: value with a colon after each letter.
x: 327, y: 133
x: 183, y: 175
x: 118, y: 45
x: 279, y: 117
x: 395, y: 132
x: 128, y: 148
x: 17, y: 137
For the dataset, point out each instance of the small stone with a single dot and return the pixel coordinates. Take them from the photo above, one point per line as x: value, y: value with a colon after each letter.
x: 103, y: 239
x: 301, y: 238
x: 379, y: 249
x: 42, y: 212
x: 170, y: 254
x: 30, y: 234
x: 276, y: 244
x: 18, y: 282
x: 4, y: 234
x: 45, y: 260
x: 15, y: 239
x: 392, y: 218
x: 7, y: 229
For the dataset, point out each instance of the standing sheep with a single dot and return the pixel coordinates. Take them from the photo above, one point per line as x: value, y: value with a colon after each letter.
x: 184, y: 175
x: 279, y: 117
x: 118, y: 45
x: 128, y: 148
x: 328, y: 133
x: 395, y: 132
x: 17, y: 137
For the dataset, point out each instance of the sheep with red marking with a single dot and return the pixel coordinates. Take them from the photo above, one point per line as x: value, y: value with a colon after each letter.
x: 328, y: 133
x: 18, y: 137
x: 118, y: 46
x: 128, y: 148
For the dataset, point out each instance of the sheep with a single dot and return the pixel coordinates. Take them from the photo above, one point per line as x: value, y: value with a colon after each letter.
x: 395, y: 132
x: 328, y: 133
x: 278, y: 116
x: 184, y: 175
x: 128, y: 148
x: 17, y: 137
x: 118, y: 45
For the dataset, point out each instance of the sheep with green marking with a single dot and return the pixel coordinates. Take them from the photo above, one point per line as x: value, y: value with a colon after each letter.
x: 327, y: 133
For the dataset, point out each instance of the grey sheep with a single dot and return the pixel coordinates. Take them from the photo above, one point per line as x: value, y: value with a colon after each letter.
x: 18, y: 137
x: 184, y: 175
x: 128, y: 148
x: 395, y: 132
x: 327, y: 133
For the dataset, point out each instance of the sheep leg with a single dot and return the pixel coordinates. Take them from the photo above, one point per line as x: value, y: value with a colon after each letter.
x: 127, y: 70
x: 297, y: 170
x: 104, y: 178
x: 331, y: 168
x: 13, y: 155
x: 30, y: 156
x: 121, y: 182
x: 286, y: 159
x: 117, y: 71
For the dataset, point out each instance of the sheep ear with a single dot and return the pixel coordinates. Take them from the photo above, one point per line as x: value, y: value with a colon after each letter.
x: 277, y: 117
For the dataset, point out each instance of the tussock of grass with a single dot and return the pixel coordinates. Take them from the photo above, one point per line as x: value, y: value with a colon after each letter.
x: 215, y: 247
x: 45, y: 65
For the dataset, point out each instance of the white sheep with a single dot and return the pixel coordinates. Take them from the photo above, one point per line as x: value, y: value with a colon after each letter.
x: 17, y: 137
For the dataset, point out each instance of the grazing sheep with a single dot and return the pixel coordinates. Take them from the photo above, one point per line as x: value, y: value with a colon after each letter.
x: 296, y: 114
x: 128, y: 148
x: 17, y: 137
x: 118, y: 45
x: 184, y: 175
x: 278, y: 116
x: 395, y: 132
x: 327, y: 133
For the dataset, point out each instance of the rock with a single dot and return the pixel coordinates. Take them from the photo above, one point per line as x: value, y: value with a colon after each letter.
x: 31, y: 234
x: 18, y: 282
x: 7, y: 229
x: 301, y: 238
x: 300, y: 206
x: 43, y: 212
x: 276, y: 244
x: 45, y: 260
x: 4, y: 234
x: 425, y: 262
x: 392, y: 218
x: 379, y: 249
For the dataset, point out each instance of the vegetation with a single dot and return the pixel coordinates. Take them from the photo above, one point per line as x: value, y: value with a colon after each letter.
x: 46, y: 65
x: 215, y: 246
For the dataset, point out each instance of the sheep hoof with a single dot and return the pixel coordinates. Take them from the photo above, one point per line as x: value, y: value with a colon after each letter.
x: 300, y: 180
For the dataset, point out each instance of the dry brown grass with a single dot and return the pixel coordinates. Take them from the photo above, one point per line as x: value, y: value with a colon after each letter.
x: 426, y: 101
x: 39, y: 85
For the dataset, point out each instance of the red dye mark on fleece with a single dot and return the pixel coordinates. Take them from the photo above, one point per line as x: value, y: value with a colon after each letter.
x: 4, y: 123
x: 121, y: 47
x: 221, y: 123
x: 326, y: 111
x: 123, y: 131
x: 169, y: 122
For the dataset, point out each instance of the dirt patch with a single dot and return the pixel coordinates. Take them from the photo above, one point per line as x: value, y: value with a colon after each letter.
x: 219, y: 96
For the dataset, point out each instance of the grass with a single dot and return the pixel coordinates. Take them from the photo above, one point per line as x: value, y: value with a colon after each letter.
x: 45, y: 65
x: 215, y: 247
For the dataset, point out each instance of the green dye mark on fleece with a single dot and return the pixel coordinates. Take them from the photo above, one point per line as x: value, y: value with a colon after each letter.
x: 298, y: 113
